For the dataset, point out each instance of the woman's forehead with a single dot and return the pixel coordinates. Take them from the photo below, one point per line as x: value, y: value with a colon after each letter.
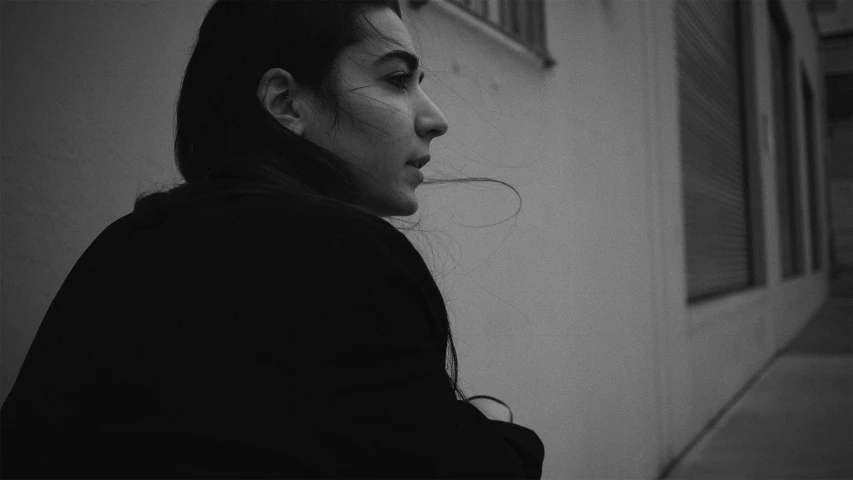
x: 390, y: 25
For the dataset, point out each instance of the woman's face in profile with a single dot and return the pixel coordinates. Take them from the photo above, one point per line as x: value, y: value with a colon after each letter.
x: 387, y: 121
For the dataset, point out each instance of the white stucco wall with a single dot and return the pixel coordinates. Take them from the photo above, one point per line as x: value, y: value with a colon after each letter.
x: 573, y: 311
x: 552, y: 309
x: 88, y: 93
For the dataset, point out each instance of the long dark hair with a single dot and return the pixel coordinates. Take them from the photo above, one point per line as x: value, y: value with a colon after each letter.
x: 223, y: 132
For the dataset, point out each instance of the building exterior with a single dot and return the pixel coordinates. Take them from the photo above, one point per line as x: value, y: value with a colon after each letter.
x: 673, y: 231
x: 836, y: 28
x: 673, y: 234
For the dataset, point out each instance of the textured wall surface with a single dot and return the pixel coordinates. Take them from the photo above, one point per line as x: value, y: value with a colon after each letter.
x: 575, y: 310
x: 552, y: 307
x: 88, y: 94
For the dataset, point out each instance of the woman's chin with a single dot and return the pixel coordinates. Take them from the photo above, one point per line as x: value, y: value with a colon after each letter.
x: 402, y: 206
x: 409, y: 211
x: 403, y: 209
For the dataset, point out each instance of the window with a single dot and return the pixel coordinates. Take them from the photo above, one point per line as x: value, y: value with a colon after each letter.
x: 839, y: 87
x: 718, y: 176
x: 812, y: 171
x: 787, y: 173
x: 838, y: 110
x: 521, y: 20
x: 838, y: 68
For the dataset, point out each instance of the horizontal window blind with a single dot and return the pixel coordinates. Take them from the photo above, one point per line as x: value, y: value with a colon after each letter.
x: 717, y: 232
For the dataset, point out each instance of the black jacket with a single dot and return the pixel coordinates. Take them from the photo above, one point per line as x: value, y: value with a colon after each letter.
x: 250, y: 336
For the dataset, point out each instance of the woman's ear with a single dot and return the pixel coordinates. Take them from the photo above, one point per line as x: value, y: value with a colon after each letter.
x: 277, y: 94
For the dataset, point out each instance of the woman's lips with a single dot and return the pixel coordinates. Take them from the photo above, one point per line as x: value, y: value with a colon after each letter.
x: 419, y: 162
x: 418, y: 174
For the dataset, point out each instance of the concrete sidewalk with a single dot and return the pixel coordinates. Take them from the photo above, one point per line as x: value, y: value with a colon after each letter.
x: 796, y: 420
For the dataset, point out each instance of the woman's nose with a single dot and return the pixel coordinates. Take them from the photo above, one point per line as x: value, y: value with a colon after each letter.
x: 430, y: 122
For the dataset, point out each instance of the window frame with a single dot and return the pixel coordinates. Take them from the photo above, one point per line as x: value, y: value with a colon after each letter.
x: 751, y: 151
x: 538, y: 46
x: 780, y: 27
x: 812, y: 168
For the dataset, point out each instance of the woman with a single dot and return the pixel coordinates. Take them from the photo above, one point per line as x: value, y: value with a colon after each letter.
x: 261, y: 320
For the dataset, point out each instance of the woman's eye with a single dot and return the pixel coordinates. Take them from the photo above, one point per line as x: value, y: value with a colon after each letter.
x: 400, y: 81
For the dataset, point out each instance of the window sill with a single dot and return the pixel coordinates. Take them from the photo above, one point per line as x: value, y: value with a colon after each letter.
x: 496, y: 34
x: 712, y: 310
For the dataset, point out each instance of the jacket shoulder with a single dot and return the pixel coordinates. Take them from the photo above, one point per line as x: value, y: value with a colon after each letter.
x: 293, y: 218
x: 267, y: 236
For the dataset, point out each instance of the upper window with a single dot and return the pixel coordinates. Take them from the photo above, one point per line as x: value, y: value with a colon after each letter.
x: 521, y: 20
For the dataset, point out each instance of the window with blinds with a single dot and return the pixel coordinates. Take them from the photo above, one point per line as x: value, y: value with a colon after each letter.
x: 521, y: 20
x: 718, y: 233
x: 813, y: 173
x: 787, y: 178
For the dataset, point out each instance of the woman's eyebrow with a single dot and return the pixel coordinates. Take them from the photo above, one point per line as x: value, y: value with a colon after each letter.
x: 408, y: 57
